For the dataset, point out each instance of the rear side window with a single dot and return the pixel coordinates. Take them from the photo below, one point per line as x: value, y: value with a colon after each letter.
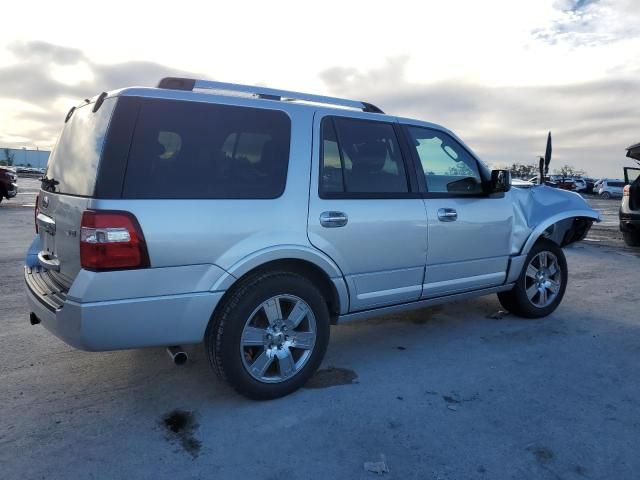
x: 198, y: 150
x: 74, y: 161
x: 616, y: 184
x: 360, y: 157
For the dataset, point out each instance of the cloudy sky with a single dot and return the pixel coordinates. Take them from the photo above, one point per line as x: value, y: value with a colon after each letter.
x: 500, y: 73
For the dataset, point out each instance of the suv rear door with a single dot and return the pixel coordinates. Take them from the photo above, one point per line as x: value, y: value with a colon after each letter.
x: 469, y: 232
x: 365, y: 211
x: 69, y: 184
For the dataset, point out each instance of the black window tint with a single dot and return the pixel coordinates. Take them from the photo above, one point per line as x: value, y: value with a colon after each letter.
x: 361, y: 156
x: 447, y: 166
x: 199, y: 150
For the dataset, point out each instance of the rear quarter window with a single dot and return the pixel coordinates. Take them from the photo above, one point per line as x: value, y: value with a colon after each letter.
x: 75, y: 159
x: 198, y: 150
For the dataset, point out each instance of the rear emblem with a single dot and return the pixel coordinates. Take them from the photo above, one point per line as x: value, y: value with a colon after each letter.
x: 45, y: 201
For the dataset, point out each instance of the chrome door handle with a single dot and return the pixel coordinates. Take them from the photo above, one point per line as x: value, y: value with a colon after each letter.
x: 333, y: 219
x: 447, y: 214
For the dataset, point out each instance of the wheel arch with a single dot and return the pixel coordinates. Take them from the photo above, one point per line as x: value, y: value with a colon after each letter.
x: 315, y: 266
x: 563, y: 228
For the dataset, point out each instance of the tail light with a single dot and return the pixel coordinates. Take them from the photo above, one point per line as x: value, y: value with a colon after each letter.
x: 626, y: 190
x: 111, y: 240
x: 36, y: 211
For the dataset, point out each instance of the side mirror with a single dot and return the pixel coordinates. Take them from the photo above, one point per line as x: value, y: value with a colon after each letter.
x: 500, y: 181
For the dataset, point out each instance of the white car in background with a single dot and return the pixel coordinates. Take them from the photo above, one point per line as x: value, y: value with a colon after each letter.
x: 581, y: 184
x: 610, y: 188
x: 518, y: 182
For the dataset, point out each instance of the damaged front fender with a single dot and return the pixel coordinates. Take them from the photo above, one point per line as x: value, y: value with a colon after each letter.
x: 544, y: 212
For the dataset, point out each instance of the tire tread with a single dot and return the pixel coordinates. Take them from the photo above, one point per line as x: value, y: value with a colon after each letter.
x: 220, y: 321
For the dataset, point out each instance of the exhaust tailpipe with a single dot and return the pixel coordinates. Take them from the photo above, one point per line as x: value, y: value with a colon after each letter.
x: 178, y: 355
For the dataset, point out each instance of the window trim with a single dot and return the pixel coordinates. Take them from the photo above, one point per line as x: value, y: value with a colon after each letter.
x: 424, y: 191
x: 410, y: 177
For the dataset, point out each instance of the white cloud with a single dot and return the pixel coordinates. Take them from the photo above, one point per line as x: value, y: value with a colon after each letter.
x: 74, y: 49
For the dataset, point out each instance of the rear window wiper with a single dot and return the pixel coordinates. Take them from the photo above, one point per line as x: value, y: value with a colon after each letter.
x: 49, y: 184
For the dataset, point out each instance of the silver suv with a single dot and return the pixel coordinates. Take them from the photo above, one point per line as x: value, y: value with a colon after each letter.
x: 252, y: 219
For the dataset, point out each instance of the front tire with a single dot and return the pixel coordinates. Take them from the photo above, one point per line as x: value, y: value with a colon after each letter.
x: 605, y: 195
x: 270, y: 336
x: 542, y: 282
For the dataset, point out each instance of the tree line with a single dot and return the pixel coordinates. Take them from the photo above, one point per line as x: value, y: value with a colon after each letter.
x: 521, y: 170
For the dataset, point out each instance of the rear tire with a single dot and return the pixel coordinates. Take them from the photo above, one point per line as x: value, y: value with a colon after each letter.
x: 270, y: 335
x: 542, y: 282
x: 631, y: 238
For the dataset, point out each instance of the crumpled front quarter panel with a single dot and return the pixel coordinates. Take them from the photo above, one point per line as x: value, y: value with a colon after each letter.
x: 535, y: 209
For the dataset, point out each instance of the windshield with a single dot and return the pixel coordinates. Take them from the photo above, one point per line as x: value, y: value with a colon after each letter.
x: 74, y: 161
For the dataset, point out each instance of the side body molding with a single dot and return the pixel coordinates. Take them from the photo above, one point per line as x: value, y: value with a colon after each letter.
x: 287, y: 252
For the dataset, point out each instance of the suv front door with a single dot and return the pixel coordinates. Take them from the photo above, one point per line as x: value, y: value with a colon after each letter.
x: 469, y: 232
x: 365, y: 210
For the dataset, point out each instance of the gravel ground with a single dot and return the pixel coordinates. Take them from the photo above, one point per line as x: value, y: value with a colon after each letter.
x: 450, y: 392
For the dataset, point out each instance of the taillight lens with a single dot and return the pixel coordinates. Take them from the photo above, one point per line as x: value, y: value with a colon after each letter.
x: 36, y: 211
x: 111, y: 240
x: 626, y: 190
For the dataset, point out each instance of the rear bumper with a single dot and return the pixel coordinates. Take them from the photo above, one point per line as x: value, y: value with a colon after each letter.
x: 90, y: 322
x: 131, y: 323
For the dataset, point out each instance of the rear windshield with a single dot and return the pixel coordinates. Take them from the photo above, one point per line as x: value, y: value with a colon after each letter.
x: 74, y: 161
x: 200, y: 150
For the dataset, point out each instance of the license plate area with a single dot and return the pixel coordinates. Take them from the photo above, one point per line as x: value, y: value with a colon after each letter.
x: 47, y: 227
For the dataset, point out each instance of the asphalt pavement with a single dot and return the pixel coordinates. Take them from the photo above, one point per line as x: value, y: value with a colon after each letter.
x: 458, y: 391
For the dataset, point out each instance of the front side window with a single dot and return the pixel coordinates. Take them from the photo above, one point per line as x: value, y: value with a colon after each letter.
x: 447, y: 166
x: 201, y: 150
x: 360, y: 157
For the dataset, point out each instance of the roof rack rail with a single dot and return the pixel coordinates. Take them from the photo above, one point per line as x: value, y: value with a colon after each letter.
x: 190, y: 84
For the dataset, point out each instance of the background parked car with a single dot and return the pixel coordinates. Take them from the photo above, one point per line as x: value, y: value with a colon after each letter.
x: 566, y: 183
x: 8, y: 185
x: 630, y: 208
x: 611, y: 188
x: 29, y: 171
x: 518, y: 182
x: 556, y: 181
x: 590, y: 184
x: 581, y: 184
x: 596, y: 185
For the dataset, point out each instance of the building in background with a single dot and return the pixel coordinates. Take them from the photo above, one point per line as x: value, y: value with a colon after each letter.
x: 24, y: 157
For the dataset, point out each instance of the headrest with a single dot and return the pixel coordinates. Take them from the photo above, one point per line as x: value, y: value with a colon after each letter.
x: 370, y: 155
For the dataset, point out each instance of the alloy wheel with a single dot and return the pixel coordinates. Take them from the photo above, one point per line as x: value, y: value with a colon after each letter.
x: 543, y: 279
x: 278, y: 338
